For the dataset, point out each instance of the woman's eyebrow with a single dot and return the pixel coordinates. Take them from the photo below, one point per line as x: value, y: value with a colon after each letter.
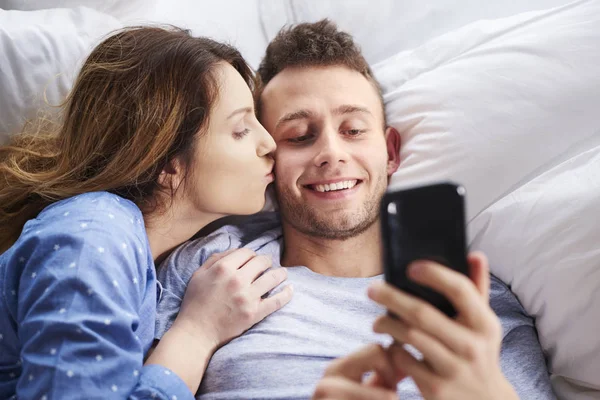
x: 240, y: 111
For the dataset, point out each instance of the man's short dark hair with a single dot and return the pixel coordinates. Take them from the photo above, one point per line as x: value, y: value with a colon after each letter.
x: 317, y: 44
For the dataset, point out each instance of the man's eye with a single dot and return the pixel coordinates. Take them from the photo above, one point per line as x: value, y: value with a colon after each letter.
x: 300, y: 139
x: 354, y: 132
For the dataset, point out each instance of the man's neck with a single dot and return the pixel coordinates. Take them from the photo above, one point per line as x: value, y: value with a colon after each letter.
x: 356, y: 257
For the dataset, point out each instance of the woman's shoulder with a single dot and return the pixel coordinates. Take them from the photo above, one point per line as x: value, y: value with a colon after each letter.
x: 98, y: 227
x: 93, y: 204
x: 102, y: 207
x: 90, y: 216
x: 93, y: 239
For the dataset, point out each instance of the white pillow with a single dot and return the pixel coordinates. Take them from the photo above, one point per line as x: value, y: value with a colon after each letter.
x: 544, y: 240
x: 40, y: 52
x: 509, y: 108
x: 121, y: 9
x: 236, y: 22
x: 384, y: 27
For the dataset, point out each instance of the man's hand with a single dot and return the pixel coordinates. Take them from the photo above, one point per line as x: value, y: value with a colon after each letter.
x: 460, y: 356
x: 343, y: 378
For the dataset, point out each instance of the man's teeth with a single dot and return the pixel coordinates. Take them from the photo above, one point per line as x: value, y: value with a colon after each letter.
x: 335, y: 186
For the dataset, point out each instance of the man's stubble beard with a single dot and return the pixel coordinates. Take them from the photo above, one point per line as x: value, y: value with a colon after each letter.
x: 327, y: 225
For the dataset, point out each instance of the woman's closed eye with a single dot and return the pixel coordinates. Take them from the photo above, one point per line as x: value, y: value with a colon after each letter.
x: 239, y: 135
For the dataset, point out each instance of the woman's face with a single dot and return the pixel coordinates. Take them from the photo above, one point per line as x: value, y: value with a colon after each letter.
x: 232, y: 161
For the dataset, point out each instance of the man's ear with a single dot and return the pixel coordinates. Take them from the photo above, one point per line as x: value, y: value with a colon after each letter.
x: 172, y: 174
x: 393, y: 142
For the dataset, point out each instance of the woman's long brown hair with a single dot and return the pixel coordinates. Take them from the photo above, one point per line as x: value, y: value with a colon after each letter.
x: 141, y: 98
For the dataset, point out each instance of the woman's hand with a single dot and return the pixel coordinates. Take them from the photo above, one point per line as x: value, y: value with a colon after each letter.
x: 460, y: 356
x: 224, y: 298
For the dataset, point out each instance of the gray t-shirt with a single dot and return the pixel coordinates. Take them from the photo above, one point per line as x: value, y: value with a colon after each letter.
x: 285, y: 355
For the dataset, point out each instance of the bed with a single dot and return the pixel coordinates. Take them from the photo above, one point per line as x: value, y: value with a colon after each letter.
x: 500, y: 96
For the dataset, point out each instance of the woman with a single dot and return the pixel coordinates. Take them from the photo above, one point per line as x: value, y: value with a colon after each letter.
x: 158, y: 139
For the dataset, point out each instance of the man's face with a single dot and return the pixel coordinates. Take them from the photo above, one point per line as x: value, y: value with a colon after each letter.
x: 333, y: 154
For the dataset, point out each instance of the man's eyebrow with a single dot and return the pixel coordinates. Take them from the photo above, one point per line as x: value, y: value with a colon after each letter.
x: 300, y: 114
x: 243, y: 110
x: 350, y: 109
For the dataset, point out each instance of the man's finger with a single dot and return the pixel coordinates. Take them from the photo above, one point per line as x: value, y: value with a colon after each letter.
x: 479, y: 272
x: 370, y: 358
x: 376, y: 380
x: 457, y: 288
x: 422, y: 315
x: 335, y: 387
x: 414, y: 368
x: 439, y: 357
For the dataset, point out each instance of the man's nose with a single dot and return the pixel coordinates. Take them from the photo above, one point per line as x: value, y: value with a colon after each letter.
x: 331, y: 149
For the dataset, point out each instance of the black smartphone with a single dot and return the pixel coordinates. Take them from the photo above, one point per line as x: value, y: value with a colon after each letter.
x: 424, y: 223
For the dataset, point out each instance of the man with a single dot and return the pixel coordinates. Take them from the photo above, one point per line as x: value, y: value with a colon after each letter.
x: 335, y: 155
